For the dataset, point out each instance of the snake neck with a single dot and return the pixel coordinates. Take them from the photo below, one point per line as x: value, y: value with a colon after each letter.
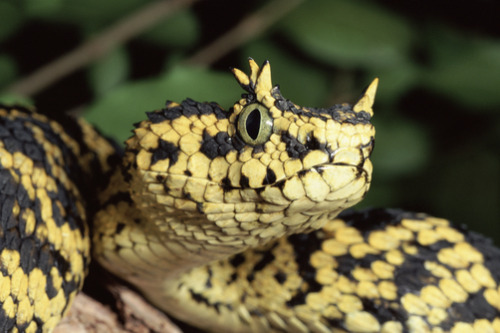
x: 145, y: 242
x: 153, y: 238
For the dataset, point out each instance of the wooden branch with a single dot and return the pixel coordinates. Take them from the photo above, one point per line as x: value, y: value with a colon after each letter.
x: 98, y: 46
x: 136, y: 315
x: 247, y: 29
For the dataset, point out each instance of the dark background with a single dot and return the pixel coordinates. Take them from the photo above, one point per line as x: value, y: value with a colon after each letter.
x: 437, y: 112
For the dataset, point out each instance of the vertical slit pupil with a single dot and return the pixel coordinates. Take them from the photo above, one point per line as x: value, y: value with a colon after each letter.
x: 253, y: 124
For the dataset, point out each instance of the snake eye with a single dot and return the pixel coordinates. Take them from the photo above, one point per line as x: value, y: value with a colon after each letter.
x: 255, y: 124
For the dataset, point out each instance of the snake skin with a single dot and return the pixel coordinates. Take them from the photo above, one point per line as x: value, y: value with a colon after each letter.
x: 229, y: 221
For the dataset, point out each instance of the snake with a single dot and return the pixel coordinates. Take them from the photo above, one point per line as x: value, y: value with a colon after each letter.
x: 233, y: 220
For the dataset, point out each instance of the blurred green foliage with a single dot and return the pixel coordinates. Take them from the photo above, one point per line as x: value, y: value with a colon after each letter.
x: 438, y: 107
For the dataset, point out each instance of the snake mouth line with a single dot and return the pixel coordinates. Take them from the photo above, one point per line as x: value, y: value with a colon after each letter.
x: 362, y: 171
x: 361, y: 167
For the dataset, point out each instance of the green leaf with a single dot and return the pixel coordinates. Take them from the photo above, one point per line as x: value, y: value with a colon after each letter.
x: 402, y: 148
x: 42, y: 8
x: 180, y: 30
x: 394, y: 81
x: 109, y: 71
x: 8, y: 69
x: 465, y: 188
x: 300, y: 82
x: 10, y: 19
x: 115, y: 112
x: 466, y: 69
x: 14, y: 99
x: 349, y: 33
x: 90, y: 14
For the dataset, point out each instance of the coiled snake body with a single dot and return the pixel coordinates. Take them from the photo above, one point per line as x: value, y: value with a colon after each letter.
x: 228, y: 220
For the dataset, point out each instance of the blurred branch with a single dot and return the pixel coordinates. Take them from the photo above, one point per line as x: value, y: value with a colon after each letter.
x: 129, y: 313
x: 98, y: 46
x: 245, y: 30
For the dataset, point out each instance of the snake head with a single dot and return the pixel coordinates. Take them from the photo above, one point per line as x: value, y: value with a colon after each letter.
x: 266, y: 162
x: 321, y: 154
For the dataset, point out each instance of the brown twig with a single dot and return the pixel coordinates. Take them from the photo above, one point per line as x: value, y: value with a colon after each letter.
x: 97, y: 47
x: 133, y: 315
x: 245, y: 30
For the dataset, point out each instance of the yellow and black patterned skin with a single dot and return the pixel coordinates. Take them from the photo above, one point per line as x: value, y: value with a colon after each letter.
x: 45, y: 168
x: 211, y: 219
x: 228, y: 220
